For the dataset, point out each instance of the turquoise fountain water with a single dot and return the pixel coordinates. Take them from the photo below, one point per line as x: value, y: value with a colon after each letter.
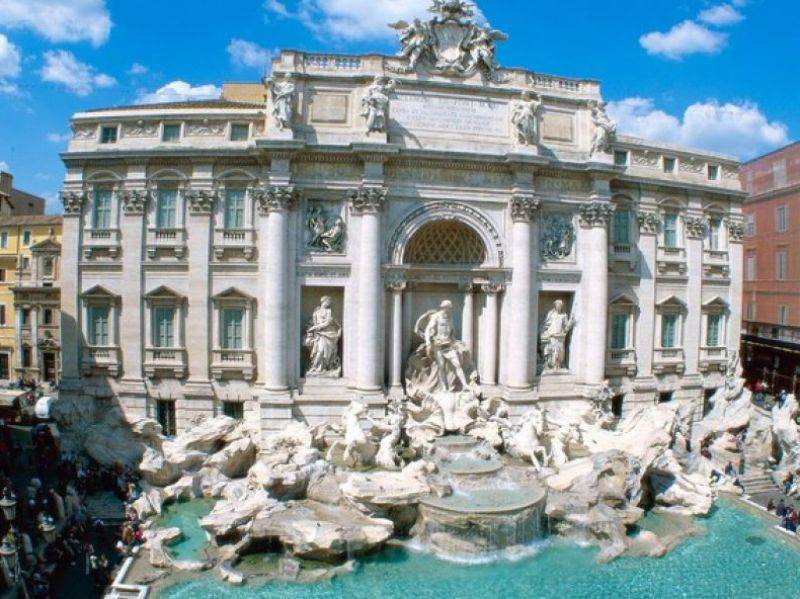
x: 739, y: 557
x: 186, y: 516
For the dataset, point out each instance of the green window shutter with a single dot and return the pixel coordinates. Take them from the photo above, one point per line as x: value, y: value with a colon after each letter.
x: 163, y: 324
x: 232, y: 328
x: 713, y: 333
x: 166, y: 207
x: 671, y: 230
x: 622, y: 227
x: 102, y: 209
x: 619, y: 331
x: 234, y: 209
x: 668, y: 329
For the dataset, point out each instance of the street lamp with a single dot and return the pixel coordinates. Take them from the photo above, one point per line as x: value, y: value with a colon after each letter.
x: 9, y: 506
x: 48, y: 529
x: 8, y: 554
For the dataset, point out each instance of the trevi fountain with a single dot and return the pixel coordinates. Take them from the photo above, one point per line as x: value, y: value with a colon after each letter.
x: 448, y: 378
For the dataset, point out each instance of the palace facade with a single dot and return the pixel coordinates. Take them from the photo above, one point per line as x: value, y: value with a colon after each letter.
x: 200, y: 239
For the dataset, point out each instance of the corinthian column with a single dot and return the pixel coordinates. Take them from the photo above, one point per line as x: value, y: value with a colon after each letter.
x: 367, y: 204
x: 594, y: 218
x: 522, y: 344
x: 275, y: 203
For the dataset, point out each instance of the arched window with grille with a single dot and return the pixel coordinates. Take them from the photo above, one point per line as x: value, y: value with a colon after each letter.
x: 446, y: 243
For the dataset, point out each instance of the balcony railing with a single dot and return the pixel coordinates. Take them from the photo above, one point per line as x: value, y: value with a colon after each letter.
x: 165, y: 360
x: 671, y: 260
x: 669, y: 359
x: 713, y: 358
x: 166, y: 239
x: 234, y: 239
x: 101, y: 239
x: 101, y: 358
x: 233, y: 363
x: 621, y: 361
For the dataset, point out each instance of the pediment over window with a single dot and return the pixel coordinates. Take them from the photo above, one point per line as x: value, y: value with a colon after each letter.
x: 99, y: 292
x: 46, y: 245
x: 717, y: 303
x: 624, y: 300
x: 164, y: 293
x: 233, y: 294
x: 672, y: 301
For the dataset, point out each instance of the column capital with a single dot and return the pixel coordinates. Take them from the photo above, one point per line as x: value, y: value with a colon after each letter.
x: 396, y: 284
x: 201, y: 201
x: 648, y: 223
x: 735, y: 231
x: 696, y: 227
x: 596, y: 213
x: 467, y: 287
x: 134, y: 201
x: 493, y: 288
x: 73, y: 202
x: 276, y: 198
x: 524, y: 207
x: 368, y: 199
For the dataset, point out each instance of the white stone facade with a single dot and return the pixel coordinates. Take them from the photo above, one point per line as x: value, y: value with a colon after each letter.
x: 442, y: 196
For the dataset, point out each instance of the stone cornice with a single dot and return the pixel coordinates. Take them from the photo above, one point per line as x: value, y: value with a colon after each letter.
x: 277, y: 198
x: 596, y: 214
x: 368, y: 199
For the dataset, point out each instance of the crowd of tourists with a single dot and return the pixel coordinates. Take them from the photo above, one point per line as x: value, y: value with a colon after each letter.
x: 49, y: 526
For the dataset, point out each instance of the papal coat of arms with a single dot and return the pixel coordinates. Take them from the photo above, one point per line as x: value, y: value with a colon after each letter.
x: 450, y: 43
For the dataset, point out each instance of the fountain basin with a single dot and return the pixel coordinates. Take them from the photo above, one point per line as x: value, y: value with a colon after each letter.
x: 472, y: 522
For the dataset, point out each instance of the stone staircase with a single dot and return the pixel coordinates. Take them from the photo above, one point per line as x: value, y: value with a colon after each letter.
x: 759, y: 482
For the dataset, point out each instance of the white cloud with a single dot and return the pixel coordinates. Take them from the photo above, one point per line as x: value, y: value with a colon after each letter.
x: 138, y: 69
x: 721, y: 15
x: 178, y: 91
x: 61, y: 66
x: 732, y: 128
x: 684, y: 38
x: 59, y: 20
x: 350, y: 19
x: 248, y: 54
x: 58, y: 138
x: 10, y: 59
x: 4, y: 166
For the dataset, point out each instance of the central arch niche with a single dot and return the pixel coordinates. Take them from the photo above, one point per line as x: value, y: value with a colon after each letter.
x: 441, y: 243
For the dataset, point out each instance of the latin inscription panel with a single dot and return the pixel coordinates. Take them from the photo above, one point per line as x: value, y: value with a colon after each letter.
x: 465, y: 116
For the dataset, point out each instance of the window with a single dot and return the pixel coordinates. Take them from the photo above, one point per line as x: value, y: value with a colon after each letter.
x: 781, y: 219
x: 751, y: 311
x: 665, y: 397
x: 102, y: 209
x: 4, y: 239
x: 171, y: 133
x: 783, y: 315
x: 669, y: 331
x: 108, y: 135
x: 714, y: 330
x: 671, y: 230
x: 619, y: 331
x: 164, y: 327
x: 166, y: 207
x: 165, y: 414
x: 751, y: 267
x: 2, y: 315
x: 2, y: 275
x: 240, y: 132
x: 713, y: 172
x: 26, y: 238
x: 616, y: 405
x: 622, y: 227
x: 25, y: 262
x: 669, y: 164
x: 47, y: 316
x: 233, y: 409
x: 26, y: 357
x: 714, y: 234
x: 780, y: 266
x: 620, y: 158
x: 234, y: 208
x: 232, y: 328
x: 99, y: 326
x: 750, y: 225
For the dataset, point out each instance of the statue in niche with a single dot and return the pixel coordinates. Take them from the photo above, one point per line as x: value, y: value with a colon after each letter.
x: 524, y: 117
x: 557, y: 326
x: 322, y: 339
x: 282, y: 96
x: 558, y: 237
x: 376, y: 104
x: 325, y: 232
x: 605, y: 130
x: 440, y: 364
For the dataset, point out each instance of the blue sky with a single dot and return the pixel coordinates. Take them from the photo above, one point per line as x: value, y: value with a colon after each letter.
x: 718, y: 75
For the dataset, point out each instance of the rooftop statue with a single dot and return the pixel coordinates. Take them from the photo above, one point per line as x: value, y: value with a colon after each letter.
x: 450, y: 43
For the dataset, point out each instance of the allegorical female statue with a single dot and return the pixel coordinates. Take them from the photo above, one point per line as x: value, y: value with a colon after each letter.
x: 524, y: 118
x: 322, y: 339
x: 376, y: 104
x: 282, y: 95
x: 557, y: 326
